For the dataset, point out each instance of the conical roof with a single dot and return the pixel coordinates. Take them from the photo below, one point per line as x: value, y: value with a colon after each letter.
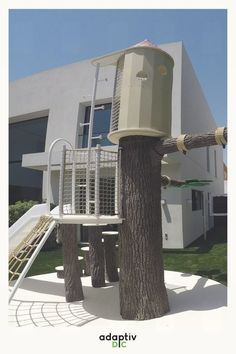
x: 112, y: 58
x: 145, y: 43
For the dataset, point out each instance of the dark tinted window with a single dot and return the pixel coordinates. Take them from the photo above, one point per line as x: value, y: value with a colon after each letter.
x: 24, y: 138
x: 220, y: 204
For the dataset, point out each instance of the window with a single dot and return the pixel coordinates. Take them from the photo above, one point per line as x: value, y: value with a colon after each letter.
x: 208, y: 158
x: 197, y: 200
x: 220, y: 205
x: 25, y: 137
x: 101, y: 126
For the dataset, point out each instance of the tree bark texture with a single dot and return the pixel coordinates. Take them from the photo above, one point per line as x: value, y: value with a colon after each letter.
x: 168, y: 146
x: 96, y: 257
x: 73, y: 285
x: 110, y: 258
x: 142, y: 290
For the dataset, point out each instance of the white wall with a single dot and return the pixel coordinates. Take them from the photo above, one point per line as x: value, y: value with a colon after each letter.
x: 172, y: 229
x: 175, y: 50
x: 63, y: 92
x: 197, y: 118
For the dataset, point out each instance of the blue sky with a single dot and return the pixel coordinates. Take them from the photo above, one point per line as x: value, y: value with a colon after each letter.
x: 43, y: 39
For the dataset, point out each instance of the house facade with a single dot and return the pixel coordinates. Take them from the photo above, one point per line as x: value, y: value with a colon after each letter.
x: 53, y: 104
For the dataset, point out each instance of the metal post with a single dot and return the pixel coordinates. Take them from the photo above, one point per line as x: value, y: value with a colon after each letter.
x: 61, y: 182
x: 91, y: 118
x: 97, y: 179
x: 73, y: 182
x: 204, y: 216
x: 90, y: 134
x: 48, y: 192
x: 117, y: 183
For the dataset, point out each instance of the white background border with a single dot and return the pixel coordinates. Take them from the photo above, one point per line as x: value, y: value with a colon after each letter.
x: 76, y: 339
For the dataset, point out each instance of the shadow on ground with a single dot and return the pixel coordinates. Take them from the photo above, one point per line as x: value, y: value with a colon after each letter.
x: 199, y: 298
x: 104, y: 302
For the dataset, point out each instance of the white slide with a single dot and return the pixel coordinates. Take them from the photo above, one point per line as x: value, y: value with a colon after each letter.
x: 20, y: 229
x: 26, y: 238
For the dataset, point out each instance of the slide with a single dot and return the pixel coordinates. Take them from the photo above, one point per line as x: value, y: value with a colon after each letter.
x: 26, y: 238
x: 19, y: 230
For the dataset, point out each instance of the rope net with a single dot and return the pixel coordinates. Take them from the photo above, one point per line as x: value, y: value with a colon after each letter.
x: 90, y: 189
x: 26, y: 248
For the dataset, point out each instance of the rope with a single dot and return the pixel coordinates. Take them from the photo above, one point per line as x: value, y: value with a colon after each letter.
x: 168, y: 180
x: 219, y: 136
x: 23, y: 251
x: 180, y: 143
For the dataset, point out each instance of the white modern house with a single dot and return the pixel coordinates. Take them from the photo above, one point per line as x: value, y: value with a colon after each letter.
x: 53, y: 104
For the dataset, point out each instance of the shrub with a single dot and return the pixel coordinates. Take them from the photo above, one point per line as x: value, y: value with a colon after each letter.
x: 18, y: 209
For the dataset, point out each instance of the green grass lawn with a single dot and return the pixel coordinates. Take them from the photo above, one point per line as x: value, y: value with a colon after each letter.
x: 205, y: 258
x: 47, y: 261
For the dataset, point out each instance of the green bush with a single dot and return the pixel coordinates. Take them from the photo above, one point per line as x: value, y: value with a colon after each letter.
x: 18, y: 209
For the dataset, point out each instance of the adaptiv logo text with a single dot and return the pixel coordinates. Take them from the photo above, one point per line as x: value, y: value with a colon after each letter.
x: 118, y: 340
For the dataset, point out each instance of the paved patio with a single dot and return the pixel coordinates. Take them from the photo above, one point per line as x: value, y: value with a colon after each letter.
x: 194, y: 301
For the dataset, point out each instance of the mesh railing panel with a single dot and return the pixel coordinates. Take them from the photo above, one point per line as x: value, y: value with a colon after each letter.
x: 101, y: 197
x: 116, y: 96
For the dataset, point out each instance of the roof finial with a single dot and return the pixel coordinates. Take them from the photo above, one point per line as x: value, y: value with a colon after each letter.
x: 145, y: 43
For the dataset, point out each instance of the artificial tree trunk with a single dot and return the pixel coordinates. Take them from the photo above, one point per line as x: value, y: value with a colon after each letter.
x: 73, y: 285
x: 110, y: 258
x: 142, y: 290
x: 96, y: 257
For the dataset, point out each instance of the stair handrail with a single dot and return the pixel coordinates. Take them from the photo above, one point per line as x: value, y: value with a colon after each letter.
x: 48, y: 192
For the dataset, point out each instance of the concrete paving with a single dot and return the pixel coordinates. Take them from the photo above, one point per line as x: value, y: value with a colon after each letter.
x: 194, y: 301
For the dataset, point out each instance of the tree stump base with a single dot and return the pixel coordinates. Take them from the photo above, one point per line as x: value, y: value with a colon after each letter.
x: 60, y: 269
x: 110, y: 255
x: 85, y: 251
x: 96, y: 257
x: 73, y: 285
